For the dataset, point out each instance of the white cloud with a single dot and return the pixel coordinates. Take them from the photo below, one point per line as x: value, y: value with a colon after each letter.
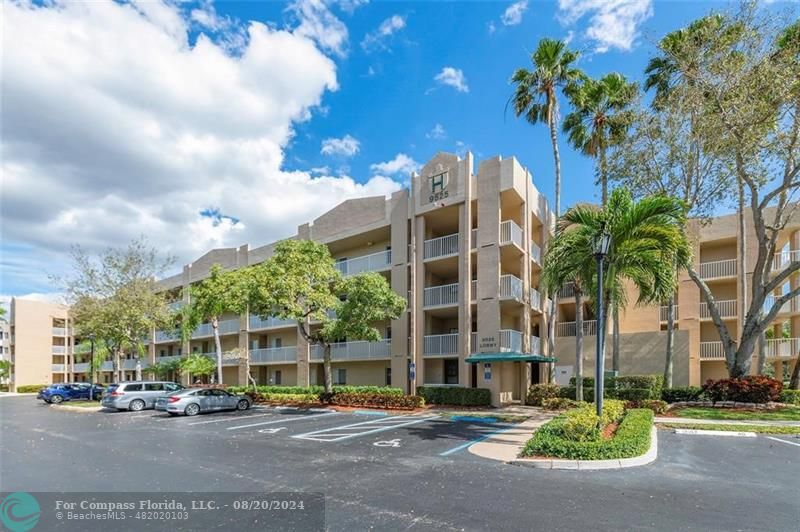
x: 318, y: 23
x: 349, y: 6
x: 346, y: 146
x: 513, y: 13
x: 387, y: 28
x: 452, y: 77
x: 114, y: 126
x: 569, y: 37
x: 612, y: 23
x: 401, y: 164
x: 436, y: 133
x: 490, y: 27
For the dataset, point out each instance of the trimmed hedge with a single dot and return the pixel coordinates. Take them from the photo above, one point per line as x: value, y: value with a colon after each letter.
x: 568, y: 392
x: 656, y: 405
x: 538, y: 393
x: 300, y: 390
x: 284, y: 398
x: 378, y: 400
x: 631, y: 439
x: 639, y: 387
x: 560, y: 403
x: 445, y: 395
x: 790, y: 397
x: 750, y: 389
x: 682, y: 394
x: 30, y: 388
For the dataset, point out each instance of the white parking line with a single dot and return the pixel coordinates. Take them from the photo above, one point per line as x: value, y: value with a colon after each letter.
x: 784, y: 441
x: 231, y: 418
x: 285, y: 420
x: 335, y: 434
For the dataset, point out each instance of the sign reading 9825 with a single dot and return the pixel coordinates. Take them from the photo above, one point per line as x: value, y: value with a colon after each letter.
x: 438, y: 186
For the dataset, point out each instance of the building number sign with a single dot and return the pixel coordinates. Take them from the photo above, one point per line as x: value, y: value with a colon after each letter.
x: 438, y: 186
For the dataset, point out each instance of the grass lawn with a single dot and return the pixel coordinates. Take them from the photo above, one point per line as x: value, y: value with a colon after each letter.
x: 82, y: 404
x: 781, y: 414
x: 763, y: 429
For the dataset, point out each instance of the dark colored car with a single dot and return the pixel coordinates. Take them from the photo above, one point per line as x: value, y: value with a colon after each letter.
x: 58, y: 393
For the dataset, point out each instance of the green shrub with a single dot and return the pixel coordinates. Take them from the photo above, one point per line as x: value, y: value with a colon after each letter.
x: 682, y: 394
x: 653, y: 384
x: 656, y: 405
x: 631, y: 439
x: 560, y: 403
x: 609, y: 383
x: 791, y: 397
x: 568, y: 392
x: 284, y: 398
x: 635, y: 394
x: 580, y: 424
x: 749, y: 389
x: 539, y: 392
x: 30, y: 388
x: 613, y: 410
x: 445, y: 395
x: 294, y: 390
x: 378, y: 400
x: 3, y: 387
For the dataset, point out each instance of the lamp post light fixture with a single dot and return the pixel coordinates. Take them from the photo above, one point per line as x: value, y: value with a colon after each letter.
x: 601, y: 243
x: 91, y: 365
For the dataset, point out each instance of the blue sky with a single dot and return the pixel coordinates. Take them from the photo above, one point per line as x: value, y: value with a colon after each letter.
x: 214, y: 124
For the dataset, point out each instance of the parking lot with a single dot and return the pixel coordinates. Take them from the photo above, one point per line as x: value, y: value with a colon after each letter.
x: 393, y: 471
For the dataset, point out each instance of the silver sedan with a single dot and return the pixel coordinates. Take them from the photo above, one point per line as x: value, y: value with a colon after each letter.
x: 192, y: 401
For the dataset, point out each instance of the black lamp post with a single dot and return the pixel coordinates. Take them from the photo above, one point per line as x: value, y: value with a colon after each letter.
x: 601, y: 243
x: 91, y: 366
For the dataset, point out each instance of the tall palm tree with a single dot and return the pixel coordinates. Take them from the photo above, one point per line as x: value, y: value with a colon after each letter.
x: 647, y: 241
x: 536, y: 98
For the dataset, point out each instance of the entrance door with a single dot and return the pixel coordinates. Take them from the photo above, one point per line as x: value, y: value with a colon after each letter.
x: 451, y: 371
x: 474, y: 375
x: 534, y: 372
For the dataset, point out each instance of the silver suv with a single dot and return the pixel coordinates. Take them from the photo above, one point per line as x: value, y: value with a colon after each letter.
x: 136, y: 395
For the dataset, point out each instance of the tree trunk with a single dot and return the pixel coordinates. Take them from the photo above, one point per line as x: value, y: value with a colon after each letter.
x: 794, y: 381
x: 615, y: 340
x: 218, y: 347
x: 551, y: 323
x: 326, y: 364
x: 742, y: 278
x: 578, y: 344
x: 670, y: 342
x: 603, y: 177
x: 762, y: 353
x: 117, y: 368
x: 551, y: 336
x: 557, y: 161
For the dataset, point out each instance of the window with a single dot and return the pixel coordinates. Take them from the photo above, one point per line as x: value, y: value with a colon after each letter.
x: 205, y: 347
x: 163, y: 353
x: 171, y: 387
x: 153, y: 387
x: 388, y: 376
x: 388, y: 333
x: 341, y: 376
x: 133, y: 388
x: 219, y: 393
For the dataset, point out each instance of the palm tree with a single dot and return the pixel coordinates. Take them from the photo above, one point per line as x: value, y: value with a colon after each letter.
x: 647, y: 241
x: 536, y: 98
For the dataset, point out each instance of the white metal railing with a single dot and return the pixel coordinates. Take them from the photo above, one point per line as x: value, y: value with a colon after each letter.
x: 510, y: 233
x: 510, y: 340
x: 257, y: 322
x: 168, y: 358
x: 790, y: 306
x: 446, y: 294
x: 474, y: 239
x: 536, y: 252
x: 718, y: 268
x: 227, y: 357
x: 442, y: 246
x: 355, y: 350
x: 664, y: 312
x: 712, y: 351
x: 368, y: 263
x: 225, y: 327
x: 510, y: 287
x: 107, y: 366
x: 782, y: 347
x: 440, y: 344
x: 568, y: 290
x: 474, y: 290
x: 59, y: 331
x: 81, y: 367
x: 784, y: 258
x: 274, y: 355
x: 727, y: 309
x: 536, y: 299
x: 167, y: 336
x: 59, y: 349
x: 82, y: 348
x: 569, y: 328
x: 536, y: 345
x: 473, y: 342
x: 58, y: 368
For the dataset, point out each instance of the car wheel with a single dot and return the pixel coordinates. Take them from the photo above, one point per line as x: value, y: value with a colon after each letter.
x: 55, y: 399
x: 136, y: 405
x: 244, y: 404
x: 192, y: 410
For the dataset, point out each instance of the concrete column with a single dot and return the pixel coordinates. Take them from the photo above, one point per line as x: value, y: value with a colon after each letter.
x: 419, y: 293
x: 464, y: 289
x: 399, y: 281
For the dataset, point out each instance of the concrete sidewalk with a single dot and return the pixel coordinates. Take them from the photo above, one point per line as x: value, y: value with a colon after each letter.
x: 506, y: 445
x: 667, y: 420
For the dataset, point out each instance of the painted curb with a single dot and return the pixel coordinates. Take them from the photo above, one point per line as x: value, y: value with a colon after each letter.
x: 594, y: 465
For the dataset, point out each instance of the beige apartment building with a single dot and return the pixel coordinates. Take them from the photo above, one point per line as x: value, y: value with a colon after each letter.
x: 464, y: 246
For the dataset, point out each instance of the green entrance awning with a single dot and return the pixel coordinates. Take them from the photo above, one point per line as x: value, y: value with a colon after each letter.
x: 507, y: 356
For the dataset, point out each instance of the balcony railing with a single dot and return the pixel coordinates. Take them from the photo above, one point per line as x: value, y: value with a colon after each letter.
x: 510, y: 287
x: 712, y: 351
x: 568, y: 290
x: 536, y: 345
x: 718, y: 268
x: 274, y: 355
x: 225, y: 327
x: 167, y: 336
x: 375, y: 262
x: 436, y: 296
x: 510, y: 340
x: 536, y: 299
x: 474, y: 290
x: 510, y: 233
x: 783, y: 347
x: 536, y: 252
x: 58, y: 368
x: 81, y: 367
x: 257, y: 322
x: 788, y: 307
x: 59, y: 331
x: 664, y: 312
x: 727, y: 309
x: 440, y: 344
x: 168, y: 358
x: 443, y: 246
x: 82, y: 348
x: 59, y: 349
x: 784, y: 258
x: 355, y: 351
x: 570, y: 328
x: 228, y: 358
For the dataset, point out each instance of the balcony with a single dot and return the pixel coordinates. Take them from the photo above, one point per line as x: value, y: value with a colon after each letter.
x: 82, y: 348
x: 536, y: 253
x: 375, y: 262
x: 443, y: 295
x: 257, y: 322
x: 664, y: 312
x: 58, y: 368
x: 727, y: 309
x: 570, y: 328
x: 510, y: 233
x: 168, y: 336
x: 510, y: 340
x: 536, y: 299
x: 510, y: 287
x: 568, y: 290
x: 59, y: 349
x: 227, y: 359
x: 783, y: 347
x: 274, y: 355
x: 435, y: 345
x: 784, y: 258
x: 712, y: 351
x: 59, y: 331
x: 345, y: 351
x: 81, y: 367
x: 225, y: 327
x: 443, y: 246
x: 168, y: 358
x: 718, y: 269
x: 789, y: 307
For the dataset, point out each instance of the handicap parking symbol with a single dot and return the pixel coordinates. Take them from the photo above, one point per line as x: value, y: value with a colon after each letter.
x: 271, y: 430
x: 387, y: 443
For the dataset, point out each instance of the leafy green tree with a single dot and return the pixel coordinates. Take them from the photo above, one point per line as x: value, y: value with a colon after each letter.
x: 536, y: 98
x: 5, y: 370
x: 198, y: 365
x: 300, y: 282
x: 94, y: 361
x: 222, y: 291
x: 166, y: 369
